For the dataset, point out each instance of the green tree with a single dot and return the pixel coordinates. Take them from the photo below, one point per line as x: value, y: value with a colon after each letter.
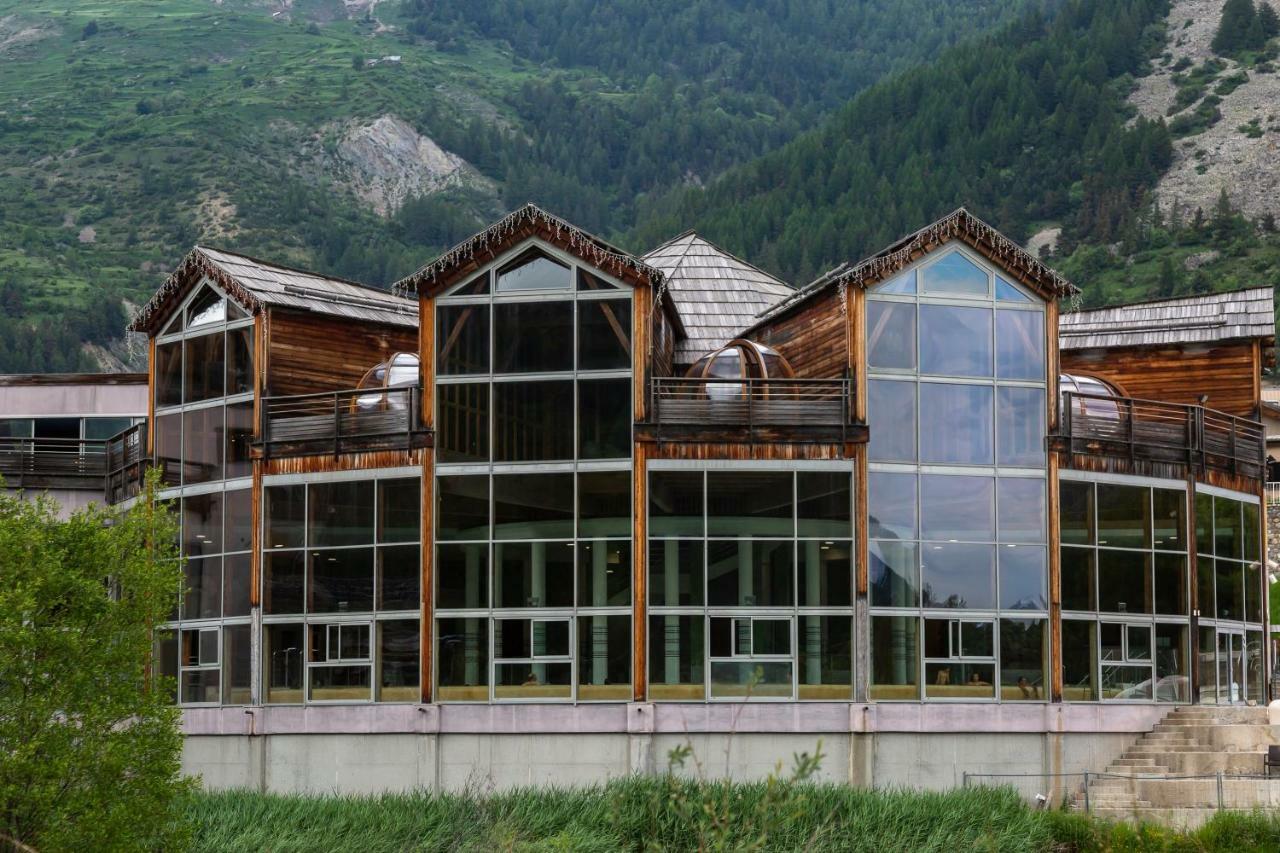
x: 1238, y: 30
x: 89, y: 744
x: 1268, y: 19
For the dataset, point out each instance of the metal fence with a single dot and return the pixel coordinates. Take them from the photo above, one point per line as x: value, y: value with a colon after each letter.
x: 1080, y: 791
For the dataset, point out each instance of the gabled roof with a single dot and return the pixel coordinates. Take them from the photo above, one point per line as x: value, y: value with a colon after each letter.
x: 961, y: 225
x: 520, y: 224
x: 1210, y: 318
x: 715, y: 293
x: 255, y: 284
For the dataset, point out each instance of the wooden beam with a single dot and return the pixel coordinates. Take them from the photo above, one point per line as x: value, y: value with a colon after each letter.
x: 641, y: 324
x: 860, y: 518
x: 639, y: 572
x: 1055, y: 584
x: 427, y: 592
x: 151, y: 397
x: 1052, y: 365
x: 427, y: 358
x: 856, y: 305
x: 255, y: 536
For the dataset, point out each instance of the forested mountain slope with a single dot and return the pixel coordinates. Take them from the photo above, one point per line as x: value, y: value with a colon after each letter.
x: 1033, y: 128
x: 359, y: 137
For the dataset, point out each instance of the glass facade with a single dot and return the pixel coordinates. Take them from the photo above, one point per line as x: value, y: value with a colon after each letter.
x: 203, y: 428
x: 957, y: 501
x: 1231, y: 598
x: 1125, y: 574
x: 533, y: 519
x: 341, y: 579
x: 750, y: 583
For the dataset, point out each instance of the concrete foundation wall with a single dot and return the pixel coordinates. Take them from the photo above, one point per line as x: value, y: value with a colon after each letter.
x: 346, y: 750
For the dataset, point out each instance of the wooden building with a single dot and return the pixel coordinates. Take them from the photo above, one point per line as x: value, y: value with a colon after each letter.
x: 670, y: 479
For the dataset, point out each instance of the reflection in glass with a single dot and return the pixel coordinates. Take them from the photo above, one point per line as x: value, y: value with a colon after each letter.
x: 894, y: 574
x: 205, y: 367
x: 604, y: 503
x: 825, y: 574
x: 1075, y: 512
x: 825, y: 657
x: 1021, y: 509
x: 1024, y: 582
x: 398, y: 660
x: 891, y: 499
x: 399, y: 577
x: 604, y: 657
x: 462, y: 422
x: 1079, y: 590
x: 462, y: 576
x: 1124, y: 516
x: 341, y: 581
x: 604, y: 334
x: 1020, y: 426
x: 750, y: 503
x: 1023, y: 650
x: 532, y: 506
x: 956, y: 424
x: 958, y: 575
x: 891, y: 416
x: 604, y: 418
x: 534, y: 271
x: 463, y: 339
x: 676, y: 503
x: 955, y: 340
x: 462, y: 659
x: 1228, y: 540
x: 533, y: 574
x: 604, y: 573
x: 1171, y: 584
x: 956, y: 275
x: 750, y: 573
x: 676, y: 569
x: 1079, y: 660
x: 891, y: 334
x: 1169, y: 520
x: 1020, y: 344
x: 823, y: 504
x: 957, y: 508
x: 340, y: 513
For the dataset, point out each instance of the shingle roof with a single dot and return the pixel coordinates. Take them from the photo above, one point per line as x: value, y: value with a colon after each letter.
x: 256, y: 283
x: 715, y: 294
x: 1191, y: 319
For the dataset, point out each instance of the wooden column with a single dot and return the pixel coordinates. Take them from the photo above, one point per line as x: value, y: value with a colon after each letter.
x: 427, y: 376
x: 640, y: 574
x: 1055, y: 584
x: 855, y: 308
x: 257, y: 509
x: 1053, y: 365
x: 151, y: 398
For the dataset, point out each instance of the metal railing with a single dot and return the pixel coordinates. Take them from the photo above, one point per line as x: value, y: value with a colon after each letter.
x: 1081, y: 792
x: 126, y: 463
x: 1162, y: 432
x: 341, y: 421
x: 750, y: 402
x: 1273, y: 493
x: 36, y: 459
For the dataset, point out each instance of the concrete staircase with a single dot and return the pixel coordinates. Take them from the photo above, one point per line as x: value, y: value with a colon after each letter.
x: 1193, y: 741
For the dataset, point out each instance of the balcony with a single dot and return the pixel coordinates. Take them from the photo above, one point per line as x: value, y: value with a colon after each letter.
x: 340, y: 422
x: 755, y: 409
x: 126, y: 463
x: 53, y: 463
x: 1192, y: 437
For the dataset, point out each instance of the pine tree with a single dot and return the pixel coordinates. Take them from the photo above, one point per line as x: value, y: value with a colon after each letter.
x: 1268, y: 19
x: 1238, y: 30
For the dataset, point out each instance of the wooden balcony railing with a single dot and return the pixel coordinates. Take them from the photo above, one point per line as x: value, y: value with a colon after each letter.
x: 750, y: 403
x: 126, y: 463
x: 342, y: 421
x: 52, y: 462
x: 1163, y: 432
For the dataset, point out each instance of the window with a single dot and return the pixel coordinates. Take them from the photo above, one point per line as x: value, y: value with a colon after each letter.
x: 1124, y: 582
x: 759, y: 563
x: 1230, y: 597
x: 957, y: 502
x: 342, y: 564
x: 533, y: 485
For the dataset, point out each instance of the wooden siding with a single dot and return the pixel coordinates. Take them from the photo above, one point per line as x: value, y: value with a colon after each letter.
x: 1160, y: 470
x: 358, y: 461
x: 309, y: 352
x: 814, y: 338
x: 711, y: 450
x: 1227, y: 373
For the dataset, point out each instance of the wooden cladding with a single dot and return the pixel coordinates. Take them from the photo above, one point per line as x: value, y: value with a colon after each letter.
x: 309, y: 352
x: 814, y: 338
x: 1226, y: 373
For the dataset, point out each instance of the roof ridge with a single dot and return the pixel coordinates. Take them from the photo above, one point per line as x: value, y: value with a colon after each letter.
x: 311, y: 273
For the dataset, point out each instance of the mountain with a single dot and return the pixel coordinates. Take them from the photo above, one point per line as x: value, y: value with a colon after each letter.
x: 358, y: 137
x: 1045, y: 128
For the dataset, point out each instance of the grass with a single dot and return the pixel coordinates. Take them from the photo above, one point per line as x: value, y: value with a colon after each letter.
x: 668, y: 814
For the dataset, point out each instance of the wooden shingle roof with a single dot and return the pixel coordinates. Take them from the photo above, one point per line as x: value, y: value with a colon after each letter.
x: 716, y: 294
x: 254, y: 284
x: 1210, y: 318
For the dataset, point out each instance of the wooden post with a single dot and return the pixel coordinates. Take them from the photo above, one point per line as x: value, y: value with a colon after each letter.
x: 1055, y: 583
x: 150, y: 449
x: 639, y: 572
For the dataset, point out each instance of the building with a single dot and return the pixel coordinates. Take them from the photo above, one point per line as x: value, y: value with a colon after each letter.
x: 560, y: 508
x: 54, y: 431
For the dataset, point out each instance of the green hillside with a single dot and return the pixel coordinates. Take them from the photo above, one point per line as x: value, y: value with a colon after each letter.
x: 130, y: 131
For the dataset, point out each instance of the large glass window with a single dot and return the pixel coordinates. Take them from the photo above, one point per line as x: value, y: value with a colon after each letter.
x: 1231, y: 597
x: 341, y: 575
x: 759, y: 563
x: 957, y: 503
x: 1124, y: 570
